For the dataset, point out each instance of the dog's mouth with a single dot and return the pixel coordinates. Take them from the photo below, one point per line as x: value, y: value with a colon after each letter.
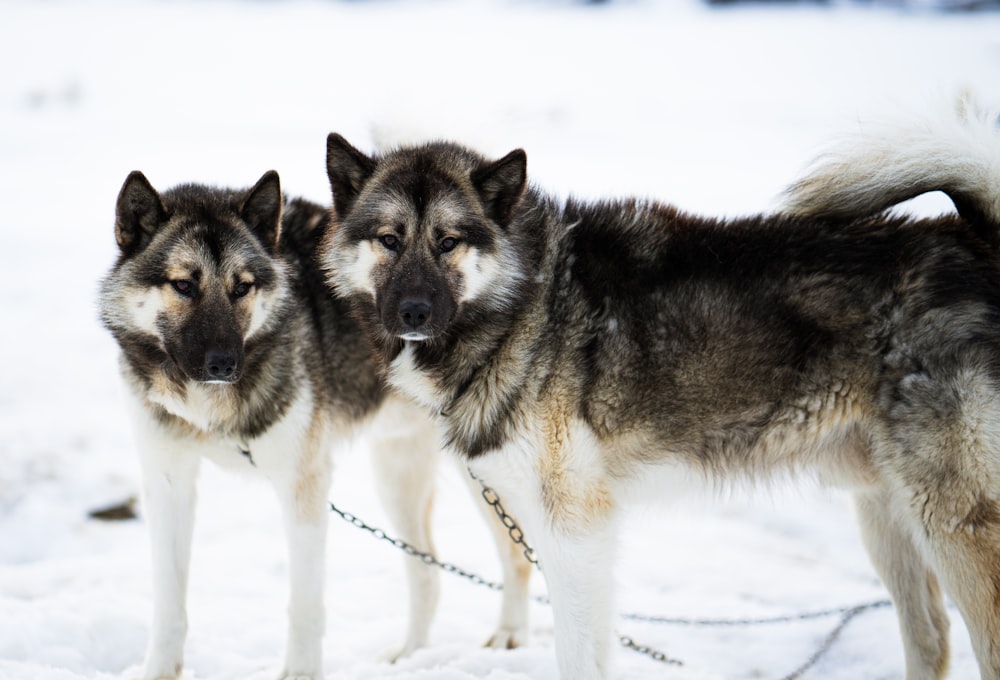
x: 217, y: 381
x: 414, y: 336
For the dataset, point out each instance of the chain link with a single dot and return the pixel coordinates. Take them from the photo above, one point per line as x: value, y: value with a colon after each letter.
x: 654, y: 654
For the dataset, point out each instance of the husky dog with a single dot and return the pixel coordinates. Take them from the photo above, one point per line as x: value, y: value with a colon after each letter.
x: 580, y: 355
x: 234, y: 350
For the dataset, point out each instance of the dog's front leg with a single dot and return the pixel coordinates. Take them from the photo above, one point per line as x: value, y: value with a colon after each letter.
x: 169, y: 471
x: 302, y: 493
x: 570, y: 520
x: 512, y: 630
x: 306, y: 611
x: 577, y: 567
x: 405, y: 452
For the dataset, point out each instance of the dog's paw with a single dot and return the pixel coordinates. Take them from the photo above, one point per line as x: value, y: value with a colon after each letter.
x: 396, y: 653
x: 300, y: 676
x: 507, y: 638
x: 149, y: 673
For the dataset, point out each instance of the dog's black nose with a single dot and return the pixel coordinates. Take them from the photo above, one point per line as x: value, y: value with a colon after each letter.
x: 414, y: 312
x: 220, y: 366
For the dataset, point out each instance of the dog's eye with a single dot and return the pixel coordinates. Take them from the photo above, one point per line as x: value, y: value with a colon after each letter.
x: 184, y: 287
x: 242, y: 288
x: 448, y: 244
x: 390, y: 241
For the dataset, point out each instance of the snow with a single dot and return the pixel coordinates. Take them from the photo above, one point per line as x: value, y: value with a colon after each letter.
x: 713, y: 109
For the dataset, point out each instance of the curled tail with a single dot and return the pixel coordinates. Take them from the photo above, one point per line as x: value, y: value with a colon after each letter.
x: 958, y: 154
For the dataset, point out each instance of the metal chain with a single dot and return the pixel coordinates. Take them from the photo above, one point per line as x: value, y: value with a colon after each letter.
x: 428, y: 558
x: 516, y: 535
x: 847, y: 614
x: 654, y: 654
x: 409, y: 549
x: 765, y: 620
x: 493, y: 499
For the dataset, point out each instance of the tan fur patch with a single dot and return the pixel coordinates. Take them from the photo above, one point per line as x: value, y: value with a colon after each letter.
x: 572, y: 473
x: 313, y: 470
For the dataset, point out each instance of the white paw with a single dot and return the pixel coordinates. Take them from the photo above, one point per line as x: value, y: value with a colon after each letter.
x: 153, y: 674
x: 300, y: 676
x: 508, y: 638
x: 396, y: 653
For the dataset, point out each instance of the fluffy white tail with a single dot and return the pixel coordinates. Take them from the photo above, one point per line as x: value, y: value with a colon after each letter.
x: 957, y: 153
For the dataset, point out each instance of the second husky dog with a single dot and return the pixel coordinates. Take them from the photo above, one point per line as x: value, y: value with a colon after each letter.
x: 234, y: 350
x: 581, y: 355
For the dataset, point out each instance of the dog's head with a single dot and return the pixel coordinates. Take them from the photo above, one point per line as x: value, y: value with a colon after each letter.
x: 419, y: 234
x: 197, y: 275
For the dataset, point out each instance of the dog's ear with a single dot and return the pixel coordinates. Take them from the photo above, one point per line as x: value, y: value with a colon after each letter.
x: 261, y: 209
x: 501, y: 184
x: 348, y: 170
x: 139, y: 212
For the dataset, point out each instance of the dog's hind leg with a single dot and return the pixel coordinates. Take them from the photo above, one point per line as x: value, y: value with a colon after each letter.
x: 923, y: 620
x: 966, y: 553
x: 965, y: 549
x: 405, y: 448
x: 512, y: 630
x: 169, y: 470
x: 946, y: 425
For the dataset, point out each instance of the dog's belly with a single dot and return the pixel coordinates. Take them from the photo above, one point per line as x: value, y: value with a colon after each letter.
x: 826, y: 434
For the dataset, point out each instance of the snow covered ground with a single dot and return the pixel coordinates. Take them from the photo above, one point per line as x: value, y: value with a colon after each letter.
x: 713, y: 109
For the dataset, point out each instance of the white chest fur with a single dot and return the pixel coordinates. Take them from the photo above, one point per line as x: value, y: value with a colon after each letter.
x: 405, y: 376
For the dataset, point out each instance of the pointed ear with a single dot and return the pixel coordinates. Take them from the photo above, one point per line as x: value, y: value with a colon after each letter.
x: 261, y: 209
x: 501, y: 183
x: 138, y: 213
x: 348, y: 170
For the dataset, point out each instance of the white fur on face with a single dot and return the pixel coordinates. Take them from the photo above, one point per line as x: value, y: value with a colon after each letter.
x: 259, y: 312
x: 357, y: 274
x: 264, y: 303
x: 144, y: 306
x: 478, y: 273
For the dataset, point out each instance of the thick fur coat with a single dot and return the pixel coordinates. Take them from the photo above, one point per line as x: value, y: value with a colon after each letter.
x: 580, y: 355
